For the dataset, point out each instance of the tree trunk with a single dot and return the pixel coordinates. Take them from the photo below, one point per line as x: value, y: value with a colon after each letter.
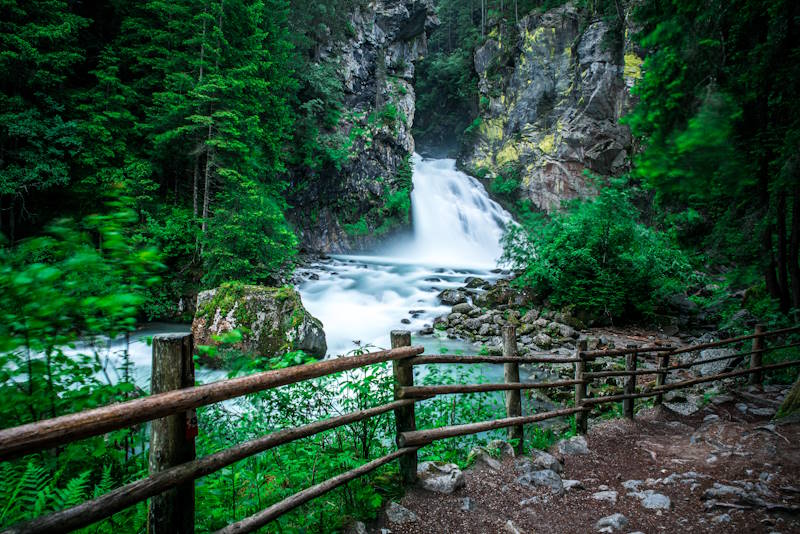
x: 483, y: 17
x: 195, y: 182
x: 11, y: 220
x: 794, y: 249
x: 207, y: 185
x: 768, y: 255
x: 783, y: 275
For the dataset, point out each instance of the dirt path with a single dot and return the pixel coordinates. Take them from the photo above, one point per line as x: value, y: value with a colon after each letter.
x: 685, y: 458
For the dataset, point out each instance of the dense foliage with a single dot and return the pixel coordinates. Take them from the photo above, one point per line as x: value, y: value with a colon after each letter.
x: 597, y: 259
x: 719, y: 117
x: 197, y: 112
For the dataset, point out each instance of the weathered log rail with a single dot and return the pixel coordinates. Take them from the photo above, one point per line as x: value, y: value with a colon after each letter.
x: 754, y: 371
x: 164, y: 479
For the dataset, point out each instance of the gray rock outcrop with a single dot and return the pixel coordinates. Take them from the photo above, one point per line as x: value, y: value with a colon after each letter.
x: 367, y: 197
x: 400, y: 515
x: 440, y: 477
x: 613, y: 521
x: 573, y: 445
x: 551, y: 95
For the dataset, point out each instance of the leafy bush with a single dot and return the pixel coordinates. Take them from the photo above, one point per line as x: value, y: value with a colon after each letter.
x: 597, y: 258
x: 506, y: 184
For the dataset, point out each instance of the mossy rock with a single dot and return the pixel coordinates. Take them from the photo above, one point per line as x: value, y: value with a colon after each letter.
x: 790, y: 409
x: 272, y: 319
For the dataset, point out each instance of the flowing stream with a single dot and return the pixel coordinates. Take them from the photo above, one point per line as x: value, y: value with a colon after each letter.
x: 456, y: 234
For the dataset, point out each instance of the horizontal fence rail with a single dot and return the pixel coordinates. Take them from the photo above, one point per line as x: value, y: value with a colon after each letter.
x: 26, y: 439
x: 278, y: 509
x: 594, y: 354
x: 117, y: 500
x: 428, y: 391
x: 423, y: 437
x: 722, y: 343
x: 34, y: 437
x: 460, y: 358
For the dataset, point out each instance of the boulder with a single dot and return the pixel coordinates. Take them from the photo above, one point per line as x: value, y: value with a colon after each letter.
x: 356, y: 527
x: 473, y: 282
x: 400, y: 515
x: 455, y: 318
x: 452, y: 297
x: 440, y: 477
x: 544, y: 460
x: 656, y: 501
x: 543, y: 341
x: 613, y: 521
x: 502, y: 447
x: 606, y: 496
x: 480, y: 455
x: 464, y: 307
x: 713, y: 368
x: 272, y: 320
x: 572, y: 446
x: 530, y: 316
x: 545, y: 477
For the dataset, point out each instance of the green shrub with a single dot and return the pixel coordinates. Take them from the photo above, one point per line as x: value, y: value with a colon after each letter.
x: 597, y: 258
x: 506, y: 184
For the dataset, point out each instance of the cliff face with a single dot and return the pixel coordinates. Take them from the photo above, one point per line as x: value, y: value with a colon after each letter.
x: 352, y: 208
x: 552, y: 94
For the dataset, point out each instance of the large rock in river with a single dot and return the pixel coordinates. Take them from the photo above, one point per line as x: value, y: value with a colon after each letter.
x: 272, y: 319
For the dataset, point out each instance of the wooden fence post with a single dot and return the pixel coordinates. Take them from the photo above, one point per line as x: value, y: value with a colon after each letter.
x: 172, y: 437
x: 513, y: 397
x: 405, y: 419
x: 757, y: 378
x: 630, y: 385
x: 661, y: 379
x: 581, y: 418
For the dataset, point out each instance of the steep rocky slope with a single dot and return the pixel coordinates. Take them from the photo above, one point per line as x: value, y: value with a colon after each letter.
x: 552, y: 90
x: 368, y: 198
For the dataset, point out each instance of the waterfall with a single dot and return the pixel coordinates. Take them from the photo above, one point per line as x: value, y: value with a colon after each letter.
x: 457, y: 231
x: 455, y: 221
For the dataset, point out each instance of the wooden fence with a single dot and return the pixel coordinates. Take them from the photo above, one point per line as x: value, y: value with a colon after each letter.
x: 174, y: 468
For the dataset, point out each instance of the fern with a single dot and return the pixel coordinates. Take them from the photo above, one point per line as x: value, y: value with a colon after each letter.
x: 105, y: 484
x: 23, y: 498
x: 73, y: 494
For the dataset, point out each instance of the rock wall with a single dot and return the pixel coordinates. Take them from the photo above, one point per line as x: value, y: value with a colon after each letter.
x: 552, y: 90
x: 368, y: 198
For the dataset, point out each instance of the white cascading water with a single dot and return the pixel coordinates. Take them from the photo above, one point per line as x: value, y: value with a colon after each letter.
x: 457, y: 231
x: 455, y: 221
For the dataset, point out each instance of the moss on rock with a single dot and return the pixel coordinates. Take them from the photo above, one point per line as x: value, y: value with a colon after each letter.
x: 272, y: 319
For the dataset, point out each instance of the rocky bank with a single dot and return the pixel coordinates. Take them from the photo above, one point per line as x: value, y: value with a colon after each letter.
x: 271, y: 321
